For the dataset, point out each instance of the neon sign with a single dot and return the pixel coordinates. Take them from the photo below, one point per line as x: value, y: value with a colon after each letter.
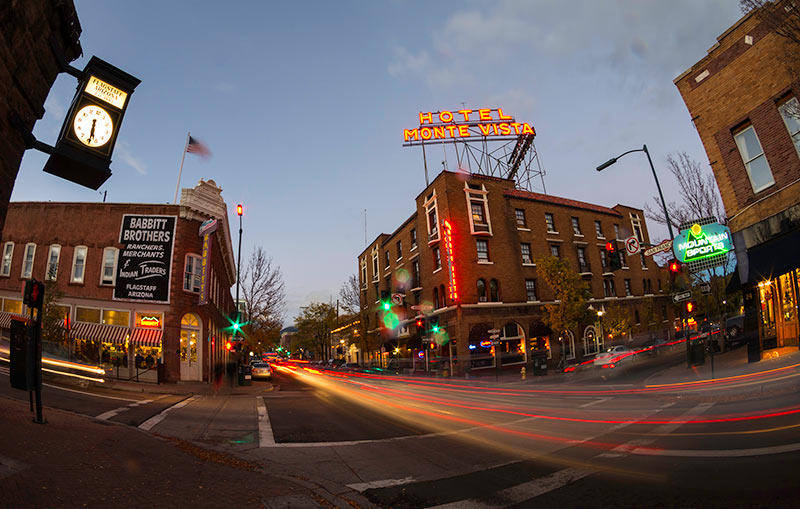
x: 448, y: 247
x: 148, y: 322
x: 699, y: 242
x: 489, y: 122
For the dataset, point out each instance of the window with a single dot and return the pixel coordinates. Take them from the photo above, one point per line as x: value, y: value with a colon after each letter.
x: 364, y: 271
x: 754, y: 159
x: 27, y: 260
x: 478, y: 217
x: 90, y: 315
x: 78, y: 264
x: 375, y: 265
x: 530, y: 290
x: 114, y: 317
x: 628, y: 288
x: 551, y: 225
x: 576, y: 227
x: 52, y: 262
x: 555, y: 251
x: 608, y: 288
x: 191, y: 275
x: 399, y: 249
x: 520, y: 216
x: 481, y: 290
x: 598, y: 229
x: 636, y: 224
x: 415, y: 269
x: 483, y: 250
x: 664, y: 312
x: 478, y: 208
x: 659, y: 286
x: 582, y: 265
x: 437, y: 259
x: 8, y: 254
x: 109, y: 266
x: 790, y: 111
x: 494, y: 291
x: 413, y: 238
x: 386, y: 260
x: 644, y: 260
x: 604, y: 258
x: 13, y: 306
x: 433, y: 224
x: 526, y: 253
x: 377, y: 292
x: 623, y: 259
x: 443, y: 295
x: 636, y: 316
x: 616, y: 231
x: 436, y: 297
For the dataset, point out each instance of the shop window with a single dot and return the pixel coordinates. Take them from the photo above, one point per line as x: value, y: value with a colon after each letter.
x: 12, y: 306
x: 115, y: 317
x: 787, y: 297
x: 567, y: 341
x: 149, y: 320
x: 27, y: 260
x: 8, y: 255
x: 90, y: 315
x: 78, y: 264
x: 512, y: 345
x: 592, y: 342
x: 52, y: 262
x: 190, y: 332
x: 767, y: 294
x: 109, y: 273
x: 790, y: 111
x: 192, y: 273
x: 754, y: 159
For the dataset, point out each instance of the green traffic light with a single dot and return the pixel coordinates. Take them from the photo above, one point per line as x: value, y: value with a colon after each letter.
x: 435, y: 328
x: 387, y: 306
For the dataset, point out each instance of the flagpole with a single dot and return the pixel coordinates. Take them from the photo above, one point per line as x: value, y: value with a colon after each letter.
x: 178, y: 185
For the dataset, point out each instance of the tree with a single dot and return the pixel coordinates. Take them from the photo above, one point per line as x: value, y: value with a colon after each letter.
x: 314, y: 325
x: 570, y: 292
x: 616, y: 320
x: 53, y: 329
x: 350, y: 296
x: 264, y: 298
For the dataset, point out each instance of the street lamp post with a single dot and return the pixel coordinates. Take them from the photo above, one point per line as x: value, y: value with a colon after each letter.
x: 238, y: 266
x: 660, y: 194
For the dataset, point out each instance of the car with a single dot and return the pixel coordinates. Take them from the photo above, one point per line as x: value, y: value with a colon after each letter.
x: 613, y: 355
x: 261, y: 370
x: 734, y: 326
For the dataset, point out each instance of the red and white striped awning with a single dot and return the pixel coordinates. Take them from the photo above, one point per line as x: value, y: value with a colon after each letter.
x: 146, y: 337
x: 99, y: 332
x: 5, y: 319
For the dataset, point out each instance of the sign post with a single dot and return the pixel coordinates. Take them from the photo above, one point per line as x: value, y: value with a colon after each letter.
x: 494, y: 335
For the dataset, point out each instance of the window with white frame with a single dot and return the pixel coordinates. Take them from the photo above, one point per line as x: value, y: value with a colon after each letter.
x: 109, y: 273
x: 519, y: 214
x: 555, y: 251
x: 530, y: 290
x: 8, y: 255
x: 551, y: 225
x: 478, y: 204
x: 399, y: 249
x: 636, y: 224
x: 754, y: 159
x: 431, y: 211
x: 375, y: 274
x: 582, y: 265
x: 52, y: 262
x: 616, y: 231
x: 437, y: 259
x: 27, y: 260
x: 482, y: 247
x: 386, y: 260
x: 628, y: 291
x: 604, y: 258
x: 413, y: 238
x: 576, y: 227
x: 790, y: 111
x: 481, y: 286
x: 526, y: 253
x: 78, y: 264
x: 363, y: 271
x: 415, y: 271
x: 598, y: 229
x: 192, y: 273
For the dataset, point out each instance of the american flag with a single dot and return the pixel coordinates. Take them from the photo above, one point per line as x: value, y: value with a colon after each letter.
x: 197, y: 147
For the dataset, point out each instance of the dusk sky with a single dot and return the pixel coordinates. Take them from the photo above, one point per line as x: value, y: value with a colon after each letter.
x: 303, y: 105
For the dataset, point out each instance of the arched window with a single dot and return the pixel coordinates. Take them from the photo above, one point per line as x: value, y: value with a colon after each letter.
x: 512, y: 344
x: 443, y: 293
x: 481, y: 290
x: 494, y: 292
x: 435, y: 297
x: 190, y: 337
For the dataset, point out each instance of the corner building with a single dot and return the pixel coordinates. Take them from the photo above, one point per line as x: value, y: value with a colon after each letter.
x: 483, y: 236
x: 744, y: 104
x: 145, y: 309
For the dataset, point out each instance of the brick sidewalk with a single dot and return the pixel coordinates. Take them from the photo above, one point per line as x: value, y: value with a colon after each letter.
x: 74, y: 461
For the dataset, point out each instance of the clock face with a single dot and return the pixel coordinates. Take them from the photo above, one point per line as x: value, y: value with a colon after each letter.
x: 93, y: 126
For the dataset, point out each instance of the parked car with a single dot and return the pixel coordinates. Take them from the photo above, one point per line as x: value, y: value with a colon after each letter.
x: 261, y: 370
x: 613, y: 355
x: 734, y: 326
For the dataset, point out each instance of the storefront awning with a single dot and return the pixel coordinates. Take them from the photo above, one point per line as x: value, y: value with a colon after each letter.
x: 5, y: 319
x: 146, y: 337
x: 99, y: 332
x: 769, y: 260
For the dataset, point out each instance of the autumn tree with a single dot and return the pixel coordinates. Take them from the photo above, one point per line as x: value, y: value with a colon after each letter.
x: 616, y: 320
x: 314, y: 325
x: 53, y: 316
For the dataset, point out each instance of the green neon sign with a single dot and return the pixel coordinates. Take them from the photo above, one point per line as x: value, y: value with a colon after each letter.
x: 700, y: 242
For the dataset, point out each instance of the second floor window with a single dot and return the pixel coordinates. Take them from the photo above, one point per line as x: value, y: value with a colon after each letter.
x: 192, y: 273
x: 109, y: 266
x: 8, y: 254
x: 437, y: 259
x: 551, y: 225
x: 78, y: 264
x: 526, y: 253
x: 790, y: 111
x: 576, y: 226
x: 754, y: 159
x: 52, y: 262
x: 483, y: 250
x: 598, y: 229
x: 530, y: 290
x: 27, y: 260
x: 481, y: 285
x: 644, y: 260
x: 519, y: 214
x: 628, y: 290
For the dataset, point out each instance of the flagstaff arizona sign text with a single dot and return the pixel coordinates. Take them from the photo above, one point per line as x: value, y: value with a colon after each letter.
x: 144, y: 264
x: 463, y: 123
x: 700, y: 242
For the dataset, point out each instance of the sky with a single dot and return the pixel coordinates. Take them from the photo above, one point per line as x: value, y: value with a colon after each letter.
x: 303, y: 106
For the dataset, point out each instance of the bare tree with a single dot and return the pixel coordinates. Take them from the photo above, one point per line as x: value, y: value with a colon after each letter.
x: 350, y: 296
x: 314, y: 325
x: 263, y: 291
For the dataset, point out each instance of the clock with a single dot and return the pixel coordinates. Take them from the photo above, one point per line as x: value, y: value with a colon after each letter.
x: 93, y: 126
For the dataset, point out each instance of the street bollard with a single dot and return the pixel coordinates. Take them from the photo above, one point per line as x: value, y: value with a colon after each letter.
x: 523, y: 372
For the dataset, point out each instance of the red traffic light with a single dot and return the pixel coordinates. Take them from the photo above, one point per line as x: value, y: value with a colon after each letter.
x: 690, y: 306
x: 239, y: 209
x: 674, y: 266
x: 610, y: 247
x: 420, y: 322
x: 228, y: 346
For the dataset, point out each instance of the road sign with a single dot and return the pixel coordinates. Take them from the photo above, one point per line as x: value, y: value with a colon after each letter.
x: 632, y: 245
x: 397, y: 298
x: 681, y: 296
x: 494, y: 331
x: 664, y: 246
x: 494, y: 336
x: 425, y: 308
x: 496, y: 343
x: 705, y: 288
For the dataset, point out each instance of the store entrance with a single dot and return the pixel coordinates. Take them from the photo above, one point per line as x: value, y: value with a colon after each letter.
x: 190, y: 348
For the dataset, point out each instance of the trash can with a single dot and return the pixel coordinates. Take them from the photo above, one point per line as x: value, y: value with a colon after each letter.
x: 244, y: 376
x: 540, y: 363
x: 697, y: 352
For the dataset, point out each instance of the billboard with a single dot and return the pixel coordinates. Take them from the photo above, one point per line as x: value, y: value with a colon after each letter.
x: 144, y: 265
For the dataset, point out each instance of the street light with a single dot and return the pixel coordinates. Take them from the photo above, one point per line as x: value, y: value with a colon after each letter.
x: 663, y: 203
x: 238, y: 269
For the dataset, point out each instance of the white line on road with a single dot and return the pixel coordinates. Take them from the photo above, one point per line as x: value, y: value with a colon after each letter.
x: 111, y: 413
x: 265, y: 436
x: 149, y: 423
x: 594, y: 402
x: 383, y: 483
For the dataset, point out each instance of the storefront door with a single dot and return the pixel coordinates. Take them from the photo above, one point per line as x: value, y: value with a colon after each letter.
x: 191, y: 350
x: 787, y: 318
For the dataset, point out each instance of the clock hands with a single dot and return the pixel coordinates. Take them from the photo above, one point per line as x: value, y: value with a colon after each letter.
x: 91, y: 133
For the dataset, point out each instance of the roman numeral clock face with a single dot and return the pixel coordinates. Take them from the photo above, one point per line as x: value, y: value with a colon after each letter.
x: 93, y: 126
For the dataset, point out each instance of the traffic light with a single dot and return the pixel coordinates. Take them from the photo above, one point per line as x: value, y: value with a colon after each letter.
x: 691, y: 306
x: 33, y: 296
x: 228, y: 346
x: 239, y: 210
x: 674, y: 267
x: 613, y: 255
x: 434, y: 327
x: 386, y: 300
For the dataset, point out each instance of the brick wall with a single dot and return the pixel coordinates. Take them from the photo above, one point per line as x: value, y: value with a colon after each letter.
x: 28, y: 68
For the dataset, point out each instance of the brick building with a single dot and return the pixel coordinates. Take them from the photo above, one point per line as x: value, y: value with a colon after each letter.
x: 744, y: 104
x: 37, y: 38
x: 140, y: 286
x: 483, y: 236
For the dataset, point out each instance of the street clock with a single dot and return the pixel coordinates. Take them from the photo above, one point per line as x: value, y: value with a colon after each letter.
x: 83, y: 151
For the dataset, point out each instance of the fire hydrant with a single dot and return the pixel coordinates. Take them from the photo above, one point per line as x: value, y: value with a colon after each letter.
x: 523, y: 372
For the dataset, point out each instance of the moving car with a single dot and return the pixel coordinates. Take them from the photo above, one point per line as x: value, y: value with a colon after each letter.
x: 261, y: 370
x: 613, y: 355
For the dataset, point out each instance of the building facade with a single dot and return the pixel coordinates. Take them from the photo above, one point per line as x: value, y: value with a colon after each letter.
x: 744, y: 104
x: 466, y: 259
x: 143, y: 290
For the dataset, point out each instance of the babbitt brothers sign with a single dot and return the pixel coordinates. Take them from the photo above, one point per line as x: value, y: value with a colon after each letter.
x: 144, y: 265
